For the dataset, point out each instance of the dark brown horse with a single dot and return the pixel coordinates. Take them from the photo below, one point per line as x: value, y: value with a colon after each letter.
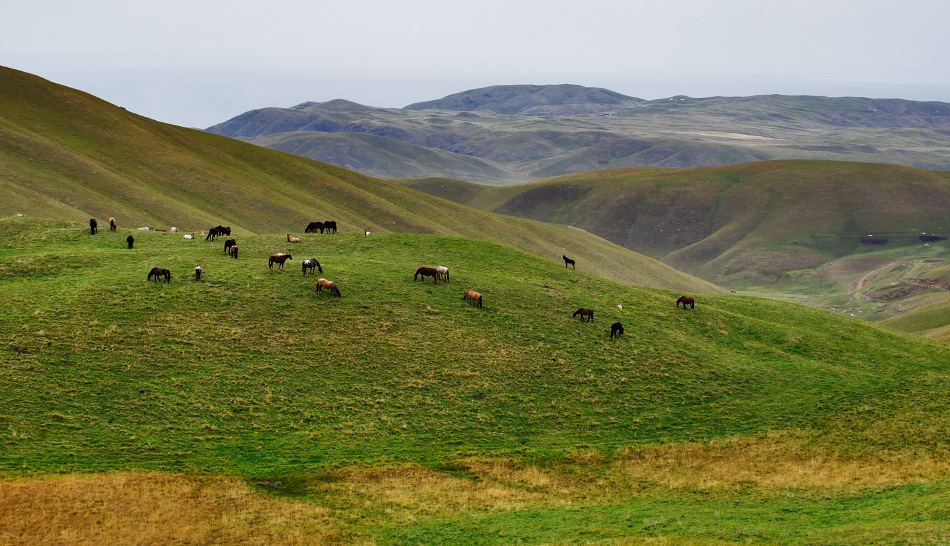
x: 427, y: 272
x: 330, y: 285
x: 228, y: 244
x: 198, y: 273
x: 686, y: 300
x: 130, y: 240
x: 278, y: 259
x: 159, y: 272
x: 474, y: 296
x: 314, y: 227
x: 589, y: 313
x: 93, y: 226
x: 233, y: 251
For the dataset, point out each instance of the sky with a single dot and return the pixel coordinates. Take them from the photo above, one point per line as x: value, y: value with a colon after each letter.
x: 196, y: 63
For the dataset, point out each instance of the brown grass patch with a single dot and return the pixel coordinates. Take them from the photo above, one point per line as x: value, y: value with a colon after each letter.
x: 153, y: 508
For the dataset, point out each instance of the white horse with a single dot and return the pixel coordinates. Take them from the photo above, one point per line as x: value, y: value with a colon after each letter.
x: 443, y: 272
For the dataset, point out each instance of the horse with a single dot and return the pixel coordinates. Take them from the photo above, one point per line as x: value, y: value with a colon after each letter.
x: 111, y: 223
x: 568, y: 261
x: 314, y: 227
x: 233, y: 251
x: 474, y: 296
x: 329, y: 225
x: 616, y: 328
x: 323, y: 283
x: 159, y: 272
x: 310, y: 264
x: 93, y: 226
x: 427, y: 272
x: 292, y: 239
x: 212, y: 233
x: 224, y: 230
x: 686, y: 300
x: 174, y: 229
x: 130, y: 240
x: 228, y: 244
x: 589, y: 313
x: 197, y: 273
x: 190, y: 236
x: 278, y: 259
x: 443, y: 272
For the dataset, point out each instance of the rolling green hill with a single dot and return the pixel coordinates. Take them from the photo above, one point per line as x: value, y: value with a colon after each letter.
x: 401, y: 413
x: 66, y: 154
x: 794, y: 229
x: 516, y: 133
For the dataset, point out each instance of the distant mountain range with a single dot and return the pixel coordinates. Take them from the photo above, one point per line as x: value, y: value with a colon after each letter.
x: 515, y: 133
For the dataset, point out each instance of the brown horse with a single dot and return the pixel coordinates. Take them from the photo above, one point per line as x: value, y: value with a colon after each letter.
x: 111, y: 223
x: 474, y: 296
x: 686, y: 300
x: 589, y: 313
x: 93, y: 226
x: 233, y: 251
x: 197, y: 272
x: 330, y: 285
x: 427, y: 272
x: 278, y: 259
x: 159, y: 272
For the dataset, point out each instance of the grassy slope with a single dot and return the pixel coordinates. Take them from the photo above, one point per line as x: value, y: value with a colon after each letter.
x: 66, y: 154
x: 250, y: 373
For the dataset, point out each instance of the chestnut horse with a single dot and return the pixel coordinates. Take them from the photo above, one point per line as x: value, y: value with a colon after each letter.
x: 111, y: 223
x: 589, y: 313
x: 686, y: 300
x: 330, y: 285
x: 474, y: 296
x: 233, y: 251
x: 427, y: 272
x: 159, y: 272
x: 278, y: 259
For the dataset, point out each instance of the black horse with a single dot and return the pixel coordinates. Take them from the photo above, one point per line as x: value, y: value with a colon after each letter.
x: 314, y: 227
x: 616, y: 328
x: 93, y: 226
x: 212, y: 233
x: 329, y: 226
x: 158, y: 272
x: 568, y: 261
x: 222, y: 230
x: 228, y: 244
x: 310, y: 264
x: 130, y: 240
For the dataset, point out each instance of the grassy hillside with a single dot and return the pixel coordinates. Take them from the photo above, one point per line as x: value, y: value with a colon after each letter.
x: 400, y: 413
x: 516, y: 133
x: 795, y: 229
x: 66, y: 154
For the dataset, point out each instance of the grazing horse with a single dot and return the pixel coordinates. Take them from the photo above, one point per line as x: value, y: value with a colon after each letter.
x: 111, y: 223
x: 443, y: 272
x: 616, y: 328
x: 224, y: 230
x: 427, y: 272
x: 568, y: 261
x: 93, y: 226
x: 310, y: 264
x: 329, y: 226
x: 323, y: 283
x: 314, y: 227
x: 233, y: 251
x: 474, y: 296
x: 686, y: 300
x: 589, y: 313
x: 130, y: 240
x: 197, y: 273
x: 212, y: 233
x: 228, y: 244
x: 278, y: 259
x: 292, y: 239
x: 159, y: 272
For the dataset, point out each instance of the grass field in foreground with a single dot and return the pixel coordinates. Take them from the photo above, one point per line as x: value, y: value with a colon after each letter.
x: 400, y: 414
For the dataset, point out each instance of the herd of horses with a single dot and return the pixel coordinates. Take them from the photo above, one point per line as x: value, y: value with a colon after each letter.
x: 439, y: 272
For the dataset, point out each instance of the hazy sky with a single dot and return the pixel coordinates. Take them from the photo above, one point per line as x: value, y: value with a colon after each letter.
x: 197, y: 63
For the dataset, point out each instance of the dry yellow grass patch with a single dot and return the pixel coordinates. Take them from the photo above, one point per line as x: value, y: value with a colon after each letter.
x: 141, y: 509
x: 774, y: 461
